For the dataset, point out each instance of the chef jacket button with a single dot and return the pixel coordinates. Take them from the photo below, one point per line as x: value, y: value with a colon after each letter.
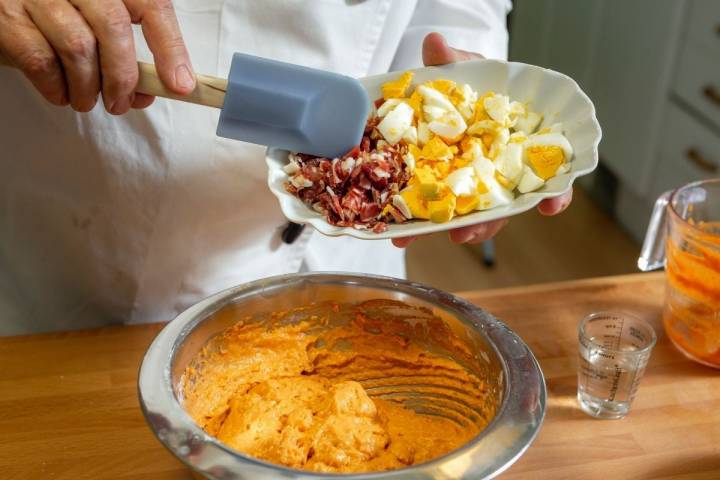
x: 291, y: 232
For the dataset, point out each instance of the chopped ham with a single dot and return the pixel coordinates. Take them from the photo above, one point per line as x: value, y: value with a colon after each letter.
x: 355, y: 190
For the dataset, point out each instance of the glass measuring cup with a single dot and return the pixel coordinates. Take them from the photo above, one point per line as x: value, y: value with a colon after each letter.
x: 614, y: 350
x: 684, y: 235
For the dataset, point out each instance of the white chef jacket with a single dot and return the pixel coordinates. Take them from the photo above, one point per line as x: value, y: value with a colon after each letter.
x: 133, y: 218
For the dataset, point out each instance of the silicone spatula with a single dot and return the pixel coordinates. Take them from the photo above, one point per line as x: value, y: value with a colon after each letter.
x: 277, y: 104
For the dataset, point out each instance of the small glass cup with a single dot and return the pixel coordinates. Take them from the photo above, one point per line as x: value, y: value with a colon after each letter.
x: 614, y: 350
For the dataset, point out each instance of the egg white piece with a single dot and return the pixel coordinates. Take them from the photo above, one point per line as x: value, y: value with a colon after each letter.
x: 411, y: 135
x: 291, y: 168
x: 496, y: 196
x: 395, y: 123
x: 502, y: 136
x: 475, y: 151
x: 564, y: 168
x: 484, y: 169
x: 470, y: 96
x: 498, y: 107
x: 550, y: 139
x: 528, y: 123
x: 529, y: 181
x: 386, y: 107
x: 300, y: 181
x: 409, y: 160
x: 399, y: 202
x: 462, y: 181
x: 434, y: 98
x: 423, y: 133
x: 517, y: 110
x: 450, y: 125
x: 433, y: 113
x: 348, y: 164
x: 509, y: 162
x: 481, y: 126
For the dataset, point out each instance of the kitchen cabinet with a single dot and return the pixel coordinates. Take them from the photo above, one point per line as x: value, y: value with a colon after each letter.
x: 652, y: 68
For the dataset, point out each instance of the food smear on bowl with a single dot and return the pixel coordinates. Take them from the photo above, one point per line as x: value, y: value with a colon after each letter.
x: 431, y: 152
x: 345, y: 398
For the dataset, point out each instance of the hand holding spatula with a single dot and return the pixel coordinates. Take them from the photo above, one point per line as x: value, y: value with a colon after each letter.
x: 276, y: 104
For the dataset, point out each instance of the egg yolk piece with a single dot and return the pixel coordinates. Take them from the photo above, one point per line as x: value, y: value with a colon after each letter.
x: 415, y: 101
x: 545, y: 160
x: 442, y: 85
x: 479, y: 112
x: 436, y: 149
x: 426, y: 184
x: 397, y: 88
x: 442, y: 210
x: 466, y: 203
x: 418, y: 206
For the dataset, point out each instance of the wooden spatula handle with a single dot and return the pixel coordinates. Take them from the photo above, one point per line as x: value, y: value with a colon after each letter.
x: 210, y: 91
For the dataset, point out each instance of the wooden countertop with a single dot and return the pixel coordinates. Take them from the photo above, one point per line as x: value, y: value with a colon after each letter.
x: 69, y: 408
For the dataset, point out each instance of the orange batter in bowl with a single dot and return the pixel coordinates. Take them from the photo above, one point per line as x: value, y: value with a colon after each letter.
x: 356, y: 397
x: 692, y: 311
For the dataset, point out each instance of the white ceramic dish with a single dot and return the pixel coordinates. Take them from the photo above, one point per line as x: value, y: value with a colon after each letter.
x: 553, y: 94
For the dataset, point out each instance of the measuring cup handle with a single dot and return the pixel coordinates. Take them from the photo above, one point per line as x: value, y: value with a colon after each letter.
x: 652, y: 255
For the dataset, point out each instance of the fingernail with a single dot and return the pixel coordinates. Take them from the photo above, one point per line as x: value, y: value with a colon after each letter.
x: 120, y: 106
x: 183, y: 77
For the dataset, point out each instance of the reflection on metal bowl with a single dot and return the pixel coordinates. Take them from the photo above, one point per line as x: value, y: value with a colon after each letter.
x: 508, y: 410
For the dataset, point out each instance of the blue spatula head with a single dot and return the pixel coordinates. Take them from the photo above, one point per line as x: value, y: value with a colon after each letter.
x: 292, y: 107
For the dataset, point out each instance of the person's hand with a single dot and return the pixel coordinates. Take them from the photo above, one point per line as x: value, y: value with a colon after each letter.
x: 72, y: 50
x: 437, y: 52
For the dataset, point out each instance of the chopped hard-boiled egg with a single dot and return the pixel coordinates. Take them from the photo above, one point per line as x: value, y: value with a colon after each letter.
x: 509, y: 162
x: 467, y: 101
x: 529, y: 182
x: 395, y: 123
x: 482, y: 126
x: 462, y: 181
x: 498, y: 107
x: 397, y: 88
x: 433, y: 113
x: 564, y: 168
x: 546, y: 152
x: 411, y: 136
x: 409, y: 160
x: 436, y: 149
x: 449, y: 126
x: 501, y: 138
x: 433, y: 98
x: 423, y: 132
x: 465, y: 151
x: 442, y: 210
x: 528, y: 122
x: 399, y: 202
x: 416, y: 204
x: 467, y: 203
x: 495, y: 196
x: 484, y: 169
x: 387, y: 106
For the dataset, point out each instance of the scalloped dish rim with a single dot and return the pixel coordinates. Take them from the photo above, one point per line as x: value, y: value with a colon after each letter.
x: 295, y: 210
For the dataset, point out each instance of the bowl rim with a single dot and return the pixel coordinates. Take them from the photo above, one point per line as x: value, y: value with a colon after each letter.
x: 289, y: 204
x: 515, y: 426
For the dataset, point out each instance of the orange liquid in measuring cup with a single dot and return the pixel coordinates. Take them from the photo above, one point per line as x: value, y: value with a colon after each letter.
x: 692, y: 309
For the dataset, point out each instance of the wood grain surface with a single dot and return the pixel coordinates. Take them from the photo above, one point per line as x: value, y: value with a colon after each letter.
x: 69, y: 409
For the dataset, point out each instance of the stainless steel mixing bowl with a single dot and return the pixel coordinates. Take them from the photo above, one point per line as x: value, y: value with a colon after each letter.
x: 516, y: 383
